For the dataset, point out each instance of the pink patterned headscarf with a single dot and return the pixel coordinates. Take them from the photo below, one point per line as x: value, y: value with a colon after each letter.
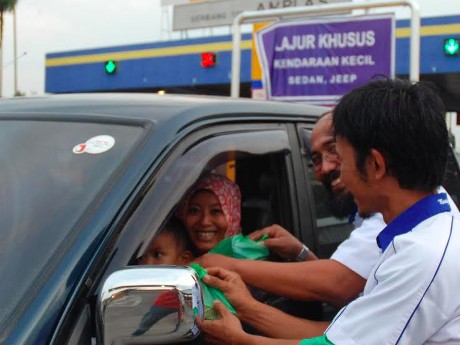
x: 229, y: 197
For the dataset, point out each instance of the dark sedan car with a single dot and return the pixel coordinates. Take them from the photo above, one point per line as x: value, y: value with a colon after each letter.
x: 87, y: 180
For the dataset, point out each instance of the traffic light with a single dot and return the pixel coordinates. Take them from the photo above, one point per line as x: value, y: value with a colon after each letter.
x: 208, y: 59
x: 451, y: 46
x: 111, y: 67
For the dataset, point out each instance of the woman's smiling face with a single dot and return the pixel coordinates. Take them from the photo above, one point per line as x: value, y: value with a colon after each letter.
x: 205, y: 220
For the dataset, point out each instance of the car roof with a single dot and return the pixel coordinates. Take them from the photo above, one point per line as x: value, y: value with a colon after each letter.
x: 178, y: 109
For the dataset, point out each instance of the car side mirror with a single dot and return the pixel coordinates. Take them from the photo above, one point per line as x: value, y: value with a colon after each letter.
x: 149, y: 305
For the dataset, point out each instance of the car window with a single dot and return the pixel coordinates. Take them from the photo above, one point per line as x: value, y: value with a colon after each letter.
x: 256, y: 159
x: 50, y: 173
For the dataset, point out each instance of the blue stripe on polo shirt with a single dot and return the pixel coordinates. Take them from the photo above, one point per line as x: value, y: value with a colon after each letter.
x: 352, y: 216
x: 414, y: 215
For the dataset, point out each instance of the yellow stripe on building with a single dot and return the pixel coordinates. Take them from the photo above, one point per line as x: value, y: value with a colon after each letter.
x: 145, y: 53
x: 431, y: 30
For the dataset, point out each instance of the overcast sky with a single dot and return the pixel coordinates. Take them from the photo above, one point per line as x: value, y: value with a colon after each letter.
x: 46, y: 26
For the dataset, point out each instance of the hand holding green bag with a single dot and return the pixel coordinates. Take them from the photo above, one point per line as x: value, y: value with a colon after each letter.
x: 210, y: 294
x: 238, y: 246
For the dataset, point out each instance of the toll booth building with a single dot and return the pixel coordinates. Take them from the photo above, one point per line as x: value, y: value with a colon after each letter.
x: 203, y: 65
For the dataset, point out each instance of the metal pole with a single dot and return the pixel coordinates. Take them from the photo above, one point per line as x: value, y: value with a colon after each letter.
x: 1, y: 66
x: 236, y: 57
x: 15, y: 52
x: 266, y: 15
x: 414, y: 73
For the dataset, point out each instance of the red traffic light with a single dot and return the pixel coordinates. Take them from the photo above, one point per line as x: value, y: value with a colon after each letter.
x: 208, y: 59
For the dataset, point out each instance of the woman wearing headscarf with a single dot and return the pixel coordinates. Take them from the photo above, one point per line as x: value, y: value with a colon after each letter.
x: 211, y: 211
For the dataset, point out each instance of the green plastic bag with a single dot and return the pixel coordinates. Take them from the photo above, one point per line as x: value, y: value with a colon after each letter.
x: 242, y: 247
x: 322, y: 340
x: 210, y: 294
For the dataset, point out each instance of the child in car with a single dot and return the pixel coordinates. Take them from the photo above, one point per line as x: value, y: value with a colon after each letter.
x: 172, y: 246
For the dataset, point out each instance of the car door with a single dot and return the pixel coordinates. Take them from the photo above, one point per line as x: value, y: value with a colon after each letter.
x: 257, y: 156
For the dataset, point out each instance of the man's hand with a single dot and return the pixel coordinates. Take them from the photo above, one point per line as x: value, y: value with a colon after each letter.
x: 233, y: 287
x: 280, y: 241
x: 226, y: 330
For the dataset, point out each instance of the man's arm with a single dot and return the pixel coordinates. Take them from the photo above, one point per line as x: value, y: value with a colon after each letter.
x: 266, y: 319
x: 328, y: 280
x: 316, y: 280
x: 274, y: 323
x: 227, y: 330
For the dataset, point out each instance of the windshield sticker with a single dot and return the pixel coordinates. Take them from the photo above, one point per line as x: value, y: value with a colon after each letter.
x: 95, y: 145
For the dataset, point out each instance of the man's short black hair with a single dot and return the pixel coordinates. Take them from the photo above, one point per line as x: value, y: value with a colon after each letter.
x: 402, y: 120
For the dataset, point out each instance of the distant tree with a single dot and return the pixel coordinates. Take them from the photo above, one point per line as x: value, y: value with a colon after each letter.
x: 5, y: 6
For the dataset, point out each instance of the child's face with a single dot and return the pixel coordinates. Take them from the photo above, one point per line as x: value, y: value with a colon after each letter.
x: 165, y: 251
x: 205, y: 221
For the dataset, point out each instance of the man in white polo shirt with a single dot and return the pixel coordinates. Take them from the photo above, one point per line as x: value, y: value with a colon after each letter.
x: 392, y: 140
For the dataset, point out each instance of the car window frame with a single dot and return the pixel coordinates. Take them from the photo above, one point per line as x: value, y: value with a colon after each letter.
x: 307, y: 229
x: 197, y: 138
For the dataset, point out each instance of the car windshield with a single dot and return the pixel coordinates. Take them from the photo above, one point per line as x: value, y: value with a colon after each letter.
x: 49, y: 173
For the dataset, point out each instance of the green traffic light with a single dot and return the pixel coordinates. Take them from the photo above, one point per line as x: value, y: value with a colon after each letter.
x: 451, y: 46
x: 111, y: 67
